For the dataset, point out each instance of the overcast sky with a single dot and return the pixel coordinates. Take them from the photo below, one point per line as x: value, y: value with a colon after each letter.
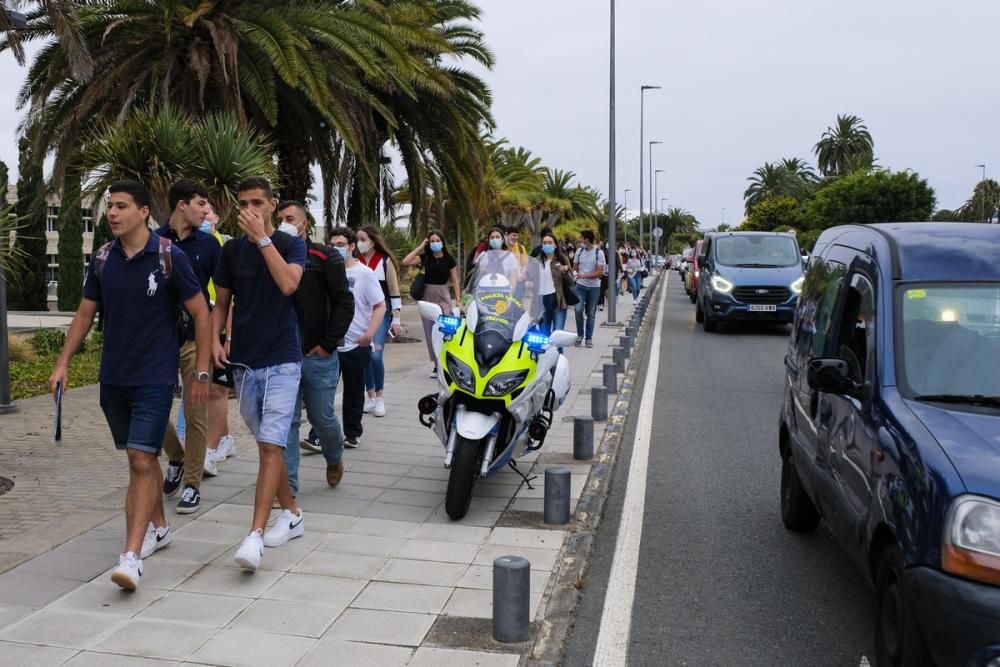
x: 744, y: 82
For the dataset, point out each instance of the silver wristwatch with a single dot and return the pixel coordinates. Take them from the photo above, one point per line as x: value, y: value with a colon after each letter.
x: 264, y: 242
x: 201, y: 376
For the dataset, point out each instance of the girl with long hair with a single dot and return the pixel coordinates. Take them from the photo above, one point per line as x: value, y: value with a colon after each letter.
x: 440, y: 270
x: 374, y: 252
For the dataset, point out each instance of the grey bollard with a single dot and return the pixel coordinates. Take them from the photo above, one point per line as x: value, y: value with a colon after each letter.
x: 583, y: 438
x: 630, y: 331
x: 611, y: 378
x: 599, y: 403
x: 511, y: 599
x: 625, y: 342
x: 618, y: 356
x: 557, y: 496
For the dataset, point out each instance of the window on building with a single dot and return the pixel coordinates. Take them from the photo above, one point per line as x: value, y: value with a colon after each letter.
x: 52, y: 223
x: 52, y: 271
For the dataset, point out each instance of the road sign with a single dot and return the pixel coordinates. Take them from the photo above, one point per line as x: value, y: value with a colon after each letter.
x: 658, y: 232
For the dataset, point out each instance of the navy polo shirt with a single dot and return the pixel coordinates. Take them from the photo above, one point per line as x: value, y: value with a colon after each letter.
x: 140, y: 313
x: 203, y: 251
x: 265, y: 328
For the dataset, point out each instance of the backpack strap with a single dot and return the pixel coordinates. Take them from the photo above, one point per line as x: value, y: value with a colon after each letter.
x: 321, y: 256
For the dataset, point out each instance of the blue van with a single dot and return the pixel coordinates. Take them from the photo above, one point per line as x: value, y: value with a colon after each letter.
x: 747, y: 276
x: 890, y: 429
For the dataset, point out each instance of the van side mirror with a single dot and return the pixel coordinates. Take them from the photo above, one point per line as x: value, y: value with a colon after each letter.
x: 832, y: 376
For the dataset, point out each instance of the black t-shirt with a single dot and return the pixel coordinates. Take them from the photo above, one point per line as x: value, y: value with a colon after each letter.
x: 437, y: 270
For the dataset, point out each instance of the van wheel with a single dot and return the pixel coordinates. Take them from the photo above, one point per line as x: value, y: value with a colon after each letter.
x: 464, y: 472
x: 699, y: 314
x: 709, y: 324
x: 897, y: 634
x: 797, y: 510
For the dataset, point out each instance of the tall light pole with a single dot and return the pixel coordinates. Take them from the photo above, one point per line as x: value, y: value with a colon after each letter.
x: 659, y: 241
x: 612, y: 186
x: 723, y: 215
x: 652, y: 201
x: 982, y: 194
x: 642, y: 147
x: 625, y: 224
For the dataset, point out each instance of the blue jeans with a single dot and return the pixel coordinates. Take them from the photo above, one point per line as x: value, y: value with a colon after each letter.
x: 266, y: 398
x: 588, y: 301
x: 375, y: 373
x: 317, y: 390
x: 553, y: 317
x: 137, y: 416
x: 635, y: 284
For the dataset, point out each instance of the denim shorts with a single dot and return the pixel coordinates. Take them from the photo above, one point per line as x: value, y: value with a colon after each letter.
x: 267, y: 400
x: 137, y: 416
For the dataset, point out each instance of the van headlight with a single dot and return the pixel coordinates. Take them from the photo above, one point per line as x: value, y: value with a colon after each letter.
x: 461, y: 373
x: 971, y: 544
x: 797, y: 285
x: 720, y: 284
x: 503, y: 383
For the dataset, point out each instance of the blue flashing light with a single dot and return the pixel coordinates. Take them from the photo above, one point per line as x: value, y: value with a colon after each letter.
x: 536, y: 341
x: 449, y: 324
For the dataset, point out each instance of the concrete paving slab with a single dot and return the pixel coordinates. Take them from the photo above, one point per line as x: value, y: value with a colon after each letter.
x: 281, y: 559
x: 93, y: 659
x: 216, y: 580
x: 416, y: 498
x: 11, y: 613
x: 394, y: 512
x: 356, y: 653
x: 333, y: 564
x: 382, y: 627
x: 34, y: 590
x: 382, y: 527
x: 27, y: 655
x: 445, y: 552
x: 184, y: 550
x: 302, y: 619
x: 452, y: 533
x: 62, y: 628
x: 212, y: 531
x: 251, y: 648
x: 68, y: 565
x: 442, y: 657
x: 363, y: 545
x: 156, y: 639
x: 415, y: 598
x: 481, y: 576
x: 332, y: 591
x: 541, y: 559
x: 102, y: 596
x: 213, y: 611
x: 422, y: 572
x: 528, y: 537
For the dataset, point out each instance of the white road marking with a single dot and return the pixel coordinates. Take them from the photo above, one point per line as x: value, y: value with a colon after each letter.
x: 616, y: 619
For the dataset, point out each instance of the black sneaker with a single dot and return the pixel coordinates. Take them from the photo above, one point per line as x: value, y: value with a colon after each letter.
x: 190, y: 501
x: 310, y: 445
x: 352, y: 442
x: 172, y: 482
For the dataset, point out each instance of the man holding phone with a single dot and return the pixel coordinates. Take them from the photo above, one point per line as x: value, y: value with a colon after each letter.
x: 141, y: 280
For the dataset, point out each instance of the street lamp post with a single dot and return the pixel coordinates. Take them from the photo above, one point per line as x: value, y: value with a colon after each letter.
x: 982, y: 194
x: 625, y: 224
x: 652, y: 201
x: 612, y: 186
x: 642, y: 147
x: 659, y: 211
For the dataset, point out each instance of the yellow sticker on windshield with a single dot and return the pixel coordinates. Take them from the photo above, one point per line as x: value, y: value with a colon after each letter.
x: 916, y: 294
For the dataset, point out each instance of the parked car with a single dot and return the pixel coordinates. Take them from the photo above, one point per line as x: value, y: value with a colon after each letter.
x: 691, y: 277
x: 890, y: 429
x: 748, y: 276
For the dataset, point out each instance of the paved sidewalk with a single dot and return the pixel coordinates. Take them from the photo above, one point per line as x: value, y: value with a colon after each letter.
x: 381, y: 577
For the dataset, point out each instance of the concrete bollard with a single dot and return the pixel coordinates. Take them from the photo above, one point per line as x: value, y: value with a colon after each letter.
x: 611, y: 378
x: 630, y: 330
x: 618, y: 356
x: 557, y: 493
x: 583, y: 438
x: 511, y: 599
x: 599, y: 403
x: 625, y: 342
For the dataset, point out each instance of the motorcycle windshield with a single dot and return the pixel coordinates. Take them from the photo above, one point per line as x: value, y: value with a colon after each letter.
x: 505, y: 287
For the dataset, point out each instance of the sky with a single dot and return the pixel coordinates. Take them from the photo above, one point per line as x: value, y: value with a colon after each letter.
x: 744, y: 83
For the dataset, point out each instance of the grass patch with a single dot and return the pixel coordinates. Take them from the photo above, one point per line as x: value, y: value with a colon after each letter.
x: 29, y: 373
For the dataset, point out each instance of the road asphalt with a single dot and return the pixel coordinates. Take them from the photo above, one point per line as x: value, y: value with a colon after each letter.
x: 720, y: 581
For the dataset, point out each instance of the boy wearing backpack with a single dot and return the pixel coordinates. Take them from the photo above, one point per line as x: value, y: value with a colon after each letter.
x: 141, y: 280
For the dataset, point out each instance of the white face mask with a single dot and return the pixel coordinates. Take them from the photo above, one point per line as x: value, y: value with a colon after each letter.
x: 288, y: 228
x: 364, y: 246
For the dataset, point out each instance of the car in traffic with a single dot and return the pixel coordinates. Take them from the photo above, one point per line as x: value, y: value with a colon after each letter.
x: 747, y: 276
x: 691, y: 277
x: 890, y: 429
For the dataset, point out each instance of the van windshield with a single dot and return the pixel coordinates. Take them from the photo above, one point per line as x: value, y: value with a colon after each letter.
x: 950, y: 340
x: 754, y: 251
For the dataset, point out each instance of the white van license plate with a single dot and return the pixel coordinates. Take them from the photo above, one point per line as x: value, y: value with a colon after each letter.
x: 758, y: 308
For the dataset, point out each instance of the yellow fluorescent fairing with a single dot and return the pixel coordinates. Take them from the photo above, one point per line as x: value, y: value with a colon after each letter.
x: 517, y: 358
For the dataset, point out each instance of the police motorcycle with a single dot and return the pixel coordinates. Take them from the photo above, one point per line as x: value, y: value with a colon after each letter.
x: 501, y: 376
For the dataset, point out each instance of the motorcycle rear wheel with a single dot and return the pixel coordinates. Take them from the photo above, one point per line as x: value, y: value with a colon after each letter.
x: 464, y: 472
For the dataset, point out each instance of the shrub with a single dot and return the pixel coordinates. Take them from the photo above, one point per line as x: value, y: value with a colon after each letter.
x: 50, y: 342
x: 18, y: 349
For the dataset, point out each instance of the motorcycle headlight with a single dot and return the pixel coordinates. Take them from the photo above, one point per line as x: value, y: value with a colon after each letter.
x: 503, y: 383
x: 461, y: 373
x: 720, y: 284
x: 971, y: 545
x: 797, y: 285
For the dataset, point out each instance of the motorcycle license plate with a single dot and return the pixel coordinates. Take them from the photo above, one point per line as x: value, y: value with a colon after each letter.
x: 766, y: 308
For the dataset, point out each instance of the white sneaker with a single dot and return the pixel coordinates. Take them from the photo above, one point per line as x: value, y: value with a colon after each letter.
x: 156, y: 539
x: 210, y: 469
x: 379, y: 407
x: 225, y: 448
x: 250, y: 552
x: 129, y: 571
x: 287, y: 527
x: 370, y: 404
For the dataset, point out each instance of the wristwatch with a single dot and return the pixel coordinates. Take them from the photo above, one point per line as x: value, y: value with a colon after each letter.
x: 264, y: 242
x: 201, y: 376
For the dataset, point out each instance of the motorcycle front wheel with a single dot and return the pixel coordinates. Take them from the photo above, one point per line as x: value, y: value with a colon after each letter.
x: 464, y: 472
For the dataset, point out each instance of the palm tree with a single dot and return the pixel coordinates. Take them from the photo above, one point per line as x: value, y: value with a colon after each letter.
x: 845, y: 148
x: 800, y: 168
x: 60, y: 16
x: 772, y: 179
x: 983, y: 203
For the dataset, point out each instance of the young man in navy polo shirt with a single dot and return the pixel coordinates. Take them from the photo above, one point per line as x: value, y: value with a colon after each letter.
x: 188, y: 202
x: 261, y: 270
x: 141, y: 283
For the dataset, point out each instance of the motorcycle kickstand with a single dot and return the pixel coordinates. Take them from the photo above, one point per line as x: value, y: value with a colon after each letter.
x: 527, y: 480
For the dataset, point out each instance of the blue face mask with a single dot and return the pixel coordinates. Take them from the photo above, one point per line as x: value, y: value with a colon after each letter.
x: 496, y: 244
x: 206, y: 227
x: 548, y: 248
x: 342, y: 251
x: 437, y: 247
